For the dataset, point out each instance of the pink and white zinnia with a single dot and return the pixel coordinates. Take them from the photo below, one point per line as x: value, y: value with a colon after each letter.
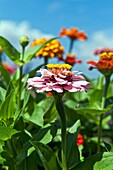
x: 58, y: 78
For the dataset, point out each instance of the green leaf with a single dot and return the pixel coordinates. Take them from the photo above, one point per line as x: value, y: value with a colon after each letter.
x: 6, y: 133
x: 31, y: 51
x: 41, y: 133
x: 26, y: 98
x: 72, y: 152
x: 50, y: 114
x: 46, y: 104
x: 75, y: 127
x: 47, y: 138
x: 10, y: 50
x: 10, y: 88
x: 96, y: 95
x: 5, y: 74
x: 106, y: 163
x: 92, y: 110
x: 31, y: 162
x: 46, y: 155
x: 89, y: 162
x: 2, y: 94
x: 36, y: 117
x: 100, y: 82
x: 7, y: 109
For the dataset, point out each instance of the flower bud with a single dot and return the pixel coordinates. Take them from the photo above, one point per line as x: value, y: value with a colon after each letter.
x: 24, y: 40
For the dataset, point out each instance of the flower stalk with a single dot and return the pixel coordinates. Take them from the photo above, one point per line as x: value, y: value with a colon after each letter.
x: 61, y: 112
x: 107, y: 82
x: 20, y: 78
x: 71, y: 45
x: 45, y: 61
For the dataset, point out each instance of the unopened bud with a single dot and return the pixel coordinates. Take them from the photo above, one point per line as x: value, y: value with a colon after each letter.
x: 24, y: 40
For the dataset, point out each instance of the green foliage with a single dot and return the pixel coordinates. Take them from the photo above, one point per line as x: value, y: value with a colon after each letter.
x: 31, y: 126
x: 5, y: 74
x: 47, y: 156
x: 10, y: 50
x: 6, y: 133
x: 73, y: 156
x: 8, y: 108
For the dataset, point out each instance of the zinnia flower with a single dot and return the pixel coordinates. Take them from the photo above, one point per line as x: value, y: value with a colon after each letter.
x: 80, y: 140
x: 71, y: 59
x: 52, y: 49
x: 105, y: 63
x: 99, y: 51
x: 73, y: 33
x: 58, y: 78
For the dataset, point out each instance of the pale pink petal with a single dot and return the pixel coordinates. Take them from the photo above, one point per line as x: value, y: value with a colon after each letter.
x: 61, y: 75
x: 45, y: 73
x: 80, y: 83
x: 57, y: 89
x: 45, y: 89
x: 60, y: 81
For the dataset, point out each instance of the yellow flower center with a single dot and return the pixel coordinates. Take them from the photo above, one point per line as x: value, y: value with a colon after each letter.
x: 106, y: 55
x: 59, y: 66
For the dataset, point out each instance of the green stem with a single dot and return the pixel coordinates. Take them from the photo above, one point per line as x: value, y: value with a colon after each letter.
x: 60, y: 109
x: 20, y: 79
x: 71, y: 45
x: 45, y: 61
x: 107, y: 82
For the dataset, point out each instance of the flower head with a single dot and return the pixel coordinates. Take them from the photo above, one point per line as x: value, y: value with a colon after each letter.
x: 71, y: 59
x: 58, y: 78
x: 52, y: 49
x: 80, y: 140
x: 105, y: 63
x: 99, y: 51
x: 73, y: 33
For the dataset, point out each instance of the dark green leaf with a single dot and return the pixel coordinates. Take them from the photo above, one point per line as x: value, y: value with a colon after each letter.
x: 72, y: 152
x: 46, y: 155
x: 89, y: 162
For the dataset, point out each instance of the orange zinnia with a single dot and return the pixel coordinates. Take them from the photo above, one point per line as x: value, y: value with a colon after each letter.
x: 105, y: 63
x: 71, y: 59
x: 52, y: 49
x: 73, y: 33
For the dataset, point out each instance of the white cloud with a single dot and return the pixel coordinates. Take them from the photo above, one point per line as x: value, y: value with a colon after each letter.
x: 13, y: 31
x: 98, y: 39
x: 84, y: 50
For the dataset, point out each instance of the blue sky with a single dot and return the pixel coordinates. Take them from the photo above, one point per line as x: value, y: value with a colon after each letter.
x: 45, y: 18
